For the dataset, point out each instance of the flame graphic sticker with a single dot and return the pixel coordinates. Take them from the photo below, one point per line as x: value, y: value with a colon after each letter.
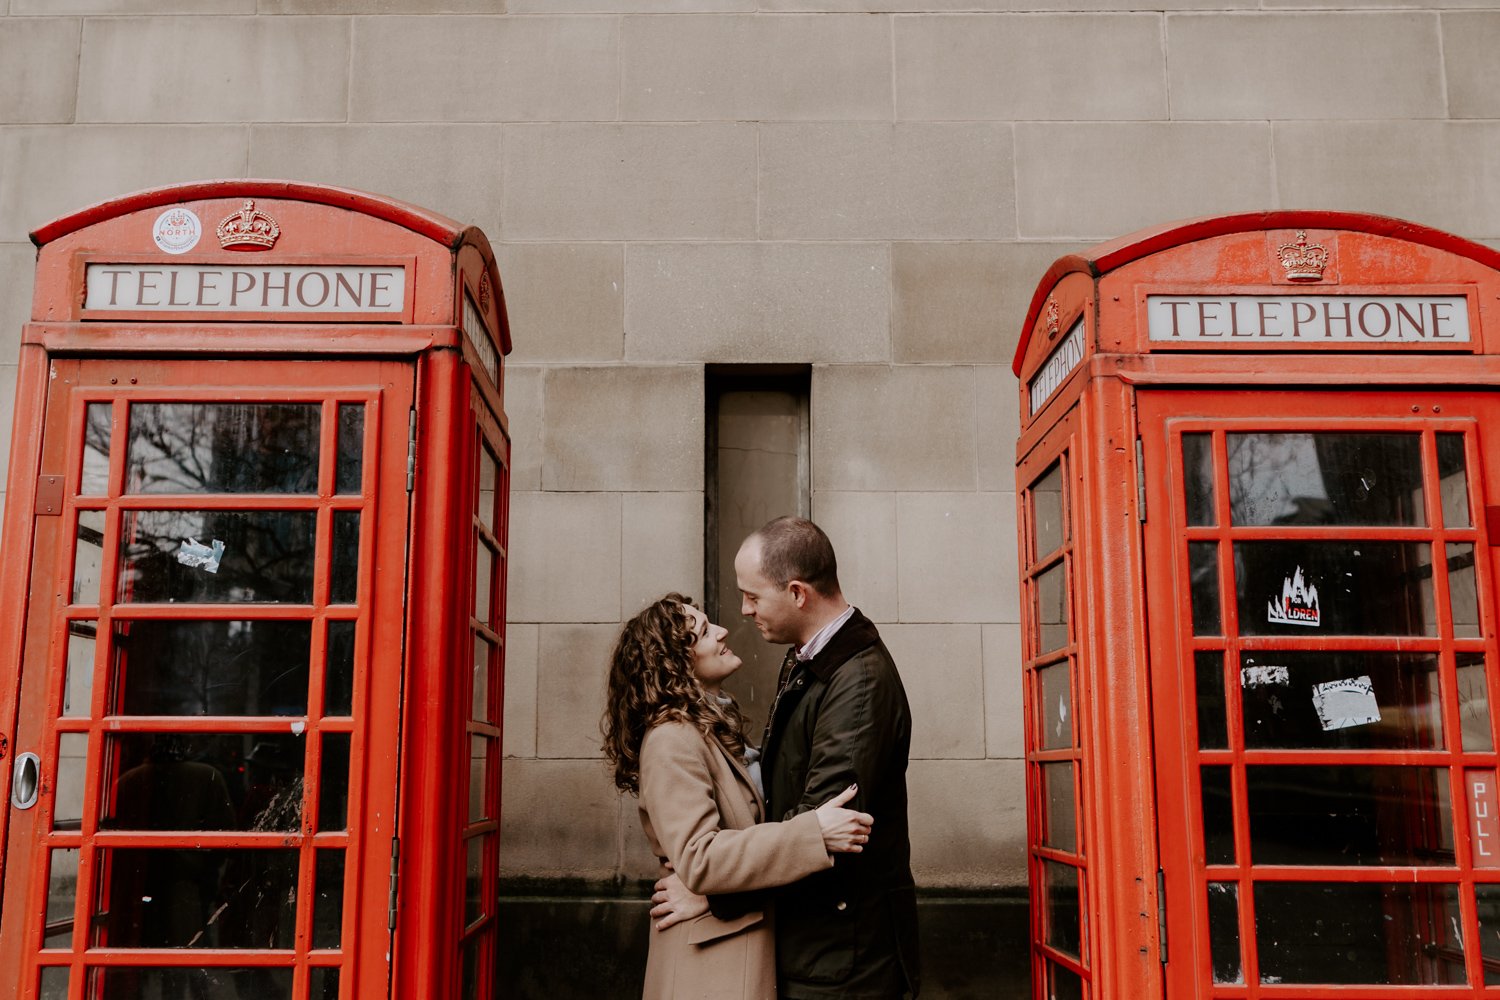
x: 1296, y: 605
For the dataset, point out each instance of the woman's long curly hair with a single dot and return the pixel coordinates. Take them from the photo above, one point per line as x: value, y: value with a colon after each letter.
x: 651, y: 681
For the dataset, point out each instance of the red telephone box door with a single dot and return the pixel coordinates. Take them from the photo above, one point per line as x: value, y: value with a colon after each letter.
x: 1323, y: 636
x: 206, y: 769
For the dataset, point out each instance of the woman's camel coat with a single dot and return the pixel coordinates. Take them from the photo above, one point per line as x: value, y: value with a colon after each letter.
x: 701, y: 812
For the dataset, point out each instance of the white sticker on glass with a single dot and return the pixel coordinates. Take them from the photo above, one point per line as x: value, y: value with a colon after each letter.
x: 1254, y: 677
x: 1297, y: 603
x: 1345, y: 703
x: 205, y: 557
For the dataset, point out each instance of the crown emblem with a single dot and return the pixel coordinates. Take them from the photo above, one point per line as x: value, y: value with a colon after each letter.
x: 248, y: 228
x: 1303, y: 261
x: 484, y: 293
x: 1054, y: 320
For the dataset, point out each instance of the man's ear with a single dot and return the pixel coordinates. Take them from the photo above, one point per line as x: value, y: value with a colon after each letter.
x: 800, y: 592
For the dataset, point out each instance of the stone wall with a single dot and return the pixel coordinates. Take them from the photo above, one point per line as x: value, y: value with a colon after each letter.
x: 868, y: 187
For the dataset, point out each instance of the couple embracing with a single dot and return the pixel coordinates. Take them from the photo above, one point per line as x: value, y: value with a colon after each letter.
x: 787, y: 866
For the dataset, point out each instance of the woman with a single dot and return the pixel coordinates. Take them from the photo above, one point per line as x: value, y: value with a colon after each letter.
x: 675, y: 741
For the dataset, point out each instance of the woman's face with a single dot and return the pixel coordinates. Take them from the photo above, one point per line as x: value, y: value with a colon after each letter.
x: 713, y: 661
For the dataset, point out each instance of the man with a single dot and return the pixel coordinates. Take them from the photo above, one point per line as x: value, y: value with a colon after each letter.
x: 840, y: 717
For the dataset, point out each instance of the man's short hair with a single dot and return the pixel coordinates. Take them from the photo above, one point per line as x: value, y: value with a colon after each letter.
x: 793, y: 548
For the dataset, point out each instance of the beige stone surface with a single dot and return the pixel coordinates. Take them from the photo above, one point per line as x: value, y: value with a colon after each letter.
x: 638, y: 182
x: 383, y: 7
x: 542, y: 840
x: 52, y: 170
x: 566, y: 301
x: 17, y: 268
x: 132, y: 6
x: 628, y: 6
x: 1325, y: 65
x: 1379, y: 4
x: 7, y: 409
x: 636, y: 859
x: 661, y: 548
x: 902, y: 427
x: 572, y: 672
x: 943, y: 675
x: 904, y: 181
x: 215, y: 68
x: 1098, y: 181
x: 624, y: 428
x: 521, y: 659
x: 862, y: 528
x: 565, y: 557
x: 757, y: 302
x: 755, y: 68
x: 1007, y: 68
x: 450, y: 169
x: 38, y: 69
x: 526, y: 417
x: 968, y: 824
x: 957, y: 557
x: 998, y: 424
x: 1391, y: 168
x: 502, y: 69
x: 1004, y: 714
x: 1470, y: 41
x: 913, y: 10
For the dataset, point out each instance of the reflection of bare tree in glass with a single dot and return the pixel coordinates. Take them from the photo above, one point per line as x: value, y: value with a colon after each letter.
x: 212, y: 668
x: 223, y: 448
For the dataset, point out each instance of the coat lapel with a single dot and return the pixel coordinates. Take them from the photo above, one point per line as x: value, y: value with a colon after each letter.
x: 742, y: 773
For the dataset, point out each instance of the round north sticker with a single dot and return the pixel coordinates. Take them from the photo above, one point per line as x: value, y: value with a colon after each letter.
x: 176, y: 230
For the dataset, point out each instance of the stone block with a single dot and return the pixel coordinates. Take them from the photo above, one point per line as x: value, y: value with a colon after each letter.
x: 968, y: 823
x: 132, y: 6
x: 215, y: 69
x: 636, y: 182
x: 862, y: 527
x: 1004, y: 714
x: 628, y: 6
x: 1006, y: 68
x: 383, y: 7
x: 525, y: 415
x: 997, y: 413
x: 543, y: 840
x: 566, y: 301
x: 446, y: 168
x: 38, y: 69
x: 17, y: 271
x: 661, y: 547
x: 957, y: 557
x: 637, y: 862
x: 1099, y: 181
x: 515, y: 69
x: 941, y: 7
x: 754, y: 68
x: 757, y: 302
x: 1444, y: 174
x: 8, y: 373
x: 869, y: 181
x: 51, y: 170
x: 903, y: 427
x: 964, y: 302
x: 572, y: 671
x: 1305, y: 66
x: 1470, y: 41
x: 521, y: 658
x: 623, y: 428
x: 943, y: 674
x: 565, y: 557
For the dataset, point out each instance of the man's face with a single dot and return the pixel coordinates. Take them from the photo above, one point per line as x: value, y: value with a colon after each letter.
x: 774, y: 609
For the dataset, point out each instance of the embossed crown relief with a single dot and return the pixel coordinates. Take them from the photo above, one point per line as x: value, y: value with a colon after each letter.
x: 1054, y: 320
x: 1303, y: 261
x: 249, y: 228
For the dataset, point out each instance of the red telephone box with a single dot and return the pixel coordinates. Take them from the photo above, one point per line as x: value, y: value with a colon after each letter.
x: 1259, y: 489
x: 254, y: 548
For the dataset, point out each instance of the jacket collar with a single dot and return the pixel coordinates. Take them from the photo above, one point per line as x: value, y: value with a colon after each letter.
x: 743, y: 773
x: 857, y: 635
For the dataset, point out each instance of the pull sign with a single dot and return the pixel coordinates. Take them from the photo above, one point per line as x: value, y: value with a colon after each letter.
x: 1484, y: 818
x: 49, y: 496
x: 26, y: 781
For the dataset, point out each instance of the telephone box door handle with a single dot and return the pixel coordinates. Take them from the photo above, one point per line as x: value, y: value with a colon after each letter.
x: 27, y: 781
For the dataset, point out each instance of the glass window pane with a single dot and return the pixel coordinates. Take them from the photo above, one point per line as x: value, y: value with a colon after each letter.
x: 338, y: 676
x: 490, y: 476
x: 328, y: 899
x: 333, y: 783
x: 1474, y: 702
x: 1060, y: 893
x: 1453, y: 480
x: 188, y: 898
x: 478, y: 778
x: 210, y: 667
x: 88, y: 557
x: 1061, y: 819
x: 217, y: 556
x: 344, y: 585
x: 1334, y: 588
x: 1198, y: 473
x: 1057, y: 706
x: 78, y: 688
x: 1488, y: 899
x: 1203, y: 574
x: 62, y: 891
x: 1320, y: 815
x: 1463, y: 591
x: 223, y: 448
x: 1063, y: 983
x: 1325, y: 479
x: 1357, y: 932
x: 1052, y: 608
x: 1218, y: 814
x: 72, y: 771
x: 1341, y: 701
x: 1213, y: 723
x: 484, y: 571
x: 479, y: 701
x: 54, y: 983
x: 469, y: 986
x: 1049, y: 524
x: 323, y: 983
x: 1224, y: 931
x: 473, y: 879
x: 349, y: 466
x: 131, y: 983
x: 98, y: 430
x: 203, y: 781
